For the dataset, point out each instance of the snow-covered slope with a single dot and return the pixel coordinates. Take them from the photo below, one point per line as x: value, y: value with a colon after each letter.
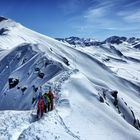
x: 83, y: 80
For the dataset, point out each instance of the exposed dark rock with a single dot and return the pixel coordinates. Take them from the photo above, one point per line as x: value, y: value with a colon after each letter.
x: 116, y: 51
x: 137, y: 46
x: 118, y: 110
x: 3, y: 18
x: 136, y: 121
x: 3, y: 31
x: 114, y: 94
x: 41, y: 74
x: 131, y: 40
x: 136, y: 124
x: 132, y: 113
x: 46, y: 63
x: 33, y: 99
x: 104, y: 95
x: 123, y: 38
x: 37, y: 69
x: 115, y: 40
x: 106, y: 59
x: 23, y: 89
x: 107, y: 104
x: 66, y: 61
x: 13, y: 82
x: 35, y: 88
x: 24, y: 60
x: 115, y: 102
x: 125, y: 103
x: 101, y: 99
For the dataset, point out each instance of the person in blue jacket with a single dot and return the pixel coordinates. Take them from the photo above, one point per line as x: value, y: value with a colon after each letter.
x: 40, y: 101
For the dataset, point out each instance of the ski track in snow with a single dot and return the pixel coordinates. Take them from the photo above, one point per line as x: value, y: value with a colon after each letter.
x: 67, y: 129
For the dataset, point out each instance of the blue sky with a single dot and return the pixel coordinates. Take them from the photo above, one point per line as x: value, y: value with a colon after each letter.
x: 83, y: 18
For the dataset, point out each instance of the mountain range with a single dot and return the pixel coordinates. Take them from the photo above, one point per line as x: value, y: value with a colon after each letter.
x: 96, y: 86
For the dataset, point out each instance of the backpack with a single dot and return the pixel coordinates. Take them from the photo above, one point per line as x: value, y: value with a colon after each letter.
x: 50, y: 95
x: 47, y: 98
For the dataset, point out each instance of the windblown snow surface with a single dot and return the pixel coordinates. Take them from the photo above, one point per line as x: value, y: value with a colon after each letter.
x: 83, y: 80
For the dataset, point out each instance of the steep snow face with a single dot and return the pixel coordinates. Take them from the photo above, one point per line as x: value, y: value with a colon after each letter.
x: 23, y: 70
x: 93, y: 119
x: 83, y: 80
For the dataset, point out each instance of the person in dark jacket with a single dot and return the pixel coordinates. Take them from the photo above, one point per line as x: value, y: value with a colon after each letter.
x: 51, y: 97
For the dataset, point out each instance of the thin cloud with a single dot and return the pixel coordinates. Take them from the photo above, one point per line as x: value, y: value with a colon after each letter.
x: 69, y: 7
x: 133, y: 17
x: 98, y: 17
x: 95, y: 13
x: 122, y: 29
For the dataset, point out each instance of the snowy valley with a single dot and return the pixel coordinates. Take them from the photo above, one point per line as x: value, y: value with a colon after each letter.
x: 84, y: 75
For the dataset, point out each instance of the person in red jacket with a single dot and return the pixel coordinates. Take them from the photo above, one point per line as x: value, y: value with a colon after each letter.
x: 40, y: 106
x: 51, y: 97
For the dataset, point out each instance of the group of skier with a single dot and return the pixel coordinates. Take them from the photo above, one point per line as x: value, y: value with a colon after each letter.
x: 44, y: 102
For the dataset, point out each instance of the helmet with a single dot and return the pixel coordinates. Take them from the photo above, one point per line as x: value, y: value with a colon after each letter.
x: 40, y: 94
x: 49, y: 87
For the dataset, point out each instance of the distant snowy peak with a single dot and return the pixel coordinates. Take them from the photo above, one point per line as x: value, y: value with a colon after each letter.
x: 79, y: 41
x: 115, y: 40
x: 133, y: 42
x: 119, y: 40
x: 84, y: 42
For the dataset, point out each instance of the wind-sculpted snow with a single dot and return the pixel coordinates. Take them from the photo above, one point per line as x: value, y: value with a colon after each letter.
x: 97, y: 88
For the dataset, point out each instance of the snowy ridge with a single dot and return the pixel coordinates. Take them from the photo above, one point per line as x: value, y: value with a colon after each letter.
x: 83, y: 79
x: 24, y: 64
